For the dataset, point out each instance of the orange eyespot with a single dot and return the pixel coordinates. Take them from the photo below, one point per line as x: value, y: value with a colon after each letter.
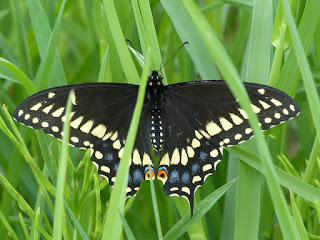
x: 147, y: 175
x: 162, y: 175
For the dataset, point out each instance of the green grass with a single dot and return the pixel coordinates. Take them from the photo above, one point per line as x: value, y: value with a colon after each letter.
x: 49, y: 190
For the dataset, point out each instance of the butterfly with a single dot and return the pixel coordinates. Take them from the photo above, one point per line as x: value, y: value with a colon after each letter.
x: 186, y: 124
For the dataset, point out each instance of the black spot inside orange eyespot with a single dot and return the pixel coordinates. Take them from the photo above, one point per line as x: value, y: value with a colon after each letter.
x: 147, y: 175
x: 162, y: 175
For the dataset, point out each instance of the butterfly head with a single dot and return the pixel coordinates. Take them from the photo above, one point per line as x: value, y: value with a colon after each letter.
x: 155, y: 79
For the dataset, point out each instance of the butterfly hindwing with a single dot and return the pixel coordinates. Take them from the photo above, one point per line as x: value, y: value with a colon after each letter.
x: 100, y: 119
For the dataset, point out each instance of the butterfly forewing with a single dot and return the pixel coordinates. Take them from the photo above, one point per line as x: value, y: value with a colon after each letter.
x: 201, y: 118
x: 101, y: 116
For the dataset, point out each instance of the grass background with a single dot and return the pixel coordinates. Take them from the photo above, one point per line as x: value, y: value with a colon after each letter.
x: 51, y: 43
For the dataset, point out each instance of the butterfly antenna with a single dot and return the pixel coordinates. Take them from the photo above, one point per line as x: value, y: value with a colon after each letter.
x: 140, y: 56
x: 185, y: 43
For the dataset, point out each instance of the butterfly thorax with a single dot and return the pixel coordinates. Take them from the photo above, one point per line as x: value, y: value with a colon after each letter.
x: 154, y: 95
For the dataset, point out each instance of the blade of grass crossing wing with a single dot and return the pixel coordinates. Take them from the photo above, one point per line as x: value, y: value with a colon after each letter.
x: 249, y: 180
x: 228, y: 71
x: 59, y: 220
x: 202, y: 208
x: 155, y: 206
x: 112, y: 224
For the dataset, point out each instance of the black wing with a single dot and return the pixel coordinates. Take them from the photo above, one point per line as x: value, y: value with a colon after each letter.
x: 200, y: 118
x: 101, y: 115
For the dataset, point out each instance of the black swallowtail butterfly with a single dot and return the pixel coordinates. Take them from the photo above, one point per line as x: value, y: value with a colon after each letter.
x: 187, y: 125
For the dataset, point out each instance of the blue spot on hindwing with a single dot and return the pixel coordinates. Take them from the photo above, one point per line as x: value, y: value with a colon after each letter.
x: 185, y: 177
x: 203, y: 156
x: 115, y: 168
x: 109, y: 157
x: 137, y: 176
x: 174, y: 176
x: 195, y: 168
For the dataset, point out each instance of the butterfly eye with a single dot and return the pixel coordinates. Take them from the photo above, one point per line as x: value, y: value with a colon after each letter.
x: 162, y: 175
x: 147, y: 174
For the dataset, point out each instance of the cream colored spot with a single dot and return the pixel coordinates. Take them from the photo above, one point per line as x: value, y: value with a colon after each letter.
x: 86, y: 143
x: 20, y: 113
x: 116, y: 144
x: 190, y: 152
x: 213, y: 128
x: 113, y: 179
x: 51, y: 94
x: 35, y: 120
x: 198, y: 135
x: 238, y: 136
x: 214, y: 153
x: 165, y: 160
x: 248, y: 131
x: 114, y: 136
x: 184, y: 157
x: 128, y: 190
x: 226, y: 140
x: 58, y: 112
x: 207, y: 167
x: 267, y: 120
x: 55, y: 129
x: 98, y: 155
x: 255, y: 108
x: 87, y: 126
x: 277, y: 115
x: 196, y: 179
x: 146, y: 160
x: 45, y: 124
x: 99, y: 131
x: 63, y: 119
x: 285, y: 111
x: 186, y: 190
x: 36, y: 107
x: 215, y: 164
x: 195, y: 143
x: 174, y: 189
x: 261, y: 91
x: 204, y: 133
x: 264, y: 104
x: 275, y: 102
x: 76, y: 123
x: 136, y: 157
x: 73, y: 99
x: 243, y: 113
x: 105, y: 169
x: 226, y: 125
x: 27, y: 116
x: 107, y: 136
x: 47, y: 109
x: 292, y: 107
x: 236, y: 119
x: 175, y: 159
x: 120, y: 153
x: 75, y: 139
